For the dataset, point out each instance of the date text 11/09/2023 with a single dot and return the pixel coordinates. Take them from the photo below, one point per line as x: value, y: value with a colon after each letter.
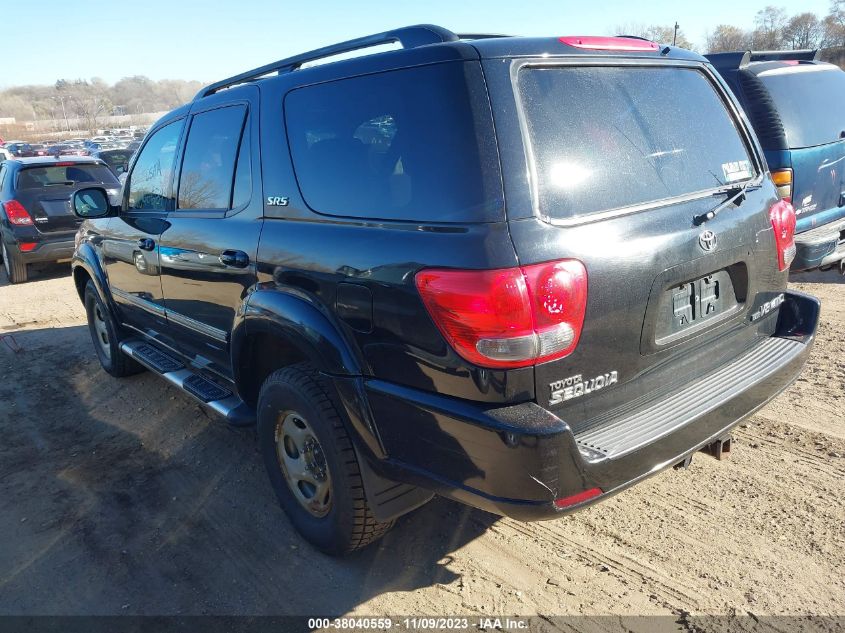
x: 421, y: 623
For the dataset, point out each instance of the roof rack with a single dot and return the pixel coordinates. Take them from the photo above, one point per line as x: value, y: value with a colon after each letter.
x: 408, y: 37
x: 771, y: 56
x: 480, y: 36
x: 635, y: 37
x: 741, y: 59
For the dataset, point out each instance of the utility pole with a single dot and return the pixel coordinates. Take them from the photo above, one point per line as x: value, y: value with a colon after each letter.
x: 61, y: 99
x: 64, y: 112
x: 675, y: 36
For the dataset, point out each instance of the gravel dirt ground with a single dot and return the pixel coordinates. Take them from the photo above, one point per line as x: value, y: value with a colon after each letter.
x: 124, y: 497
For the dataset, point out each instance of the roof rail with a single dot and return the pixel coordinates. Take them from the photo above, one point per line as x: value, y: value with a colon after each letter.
x: 741, y: 59
x: 408, y: 37
x: 635, y: 37
x: 480, y: 36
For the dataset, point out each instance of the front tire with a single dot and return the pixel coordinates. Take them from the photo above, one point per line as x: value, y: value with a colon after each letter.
x: 312, y: 464
x: 103, y: 331
x: 16, y: 271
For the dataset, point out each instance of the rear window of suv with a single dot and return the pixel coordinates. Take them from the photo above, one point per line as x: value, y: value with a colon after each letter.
x: 604, y: 138
x: 57, y: 175
x: 809, y: 101
x: 412, y: 144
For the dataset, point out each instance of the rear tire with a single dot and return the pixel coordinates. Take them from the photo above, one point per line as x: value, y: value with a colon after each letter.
x: 312, y: 464
x: 103, y: 330
x: 16, y: 271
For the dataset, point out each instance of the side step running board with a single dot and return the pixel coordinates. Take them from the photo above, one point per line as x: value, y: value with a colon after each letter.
x: 218, y: 398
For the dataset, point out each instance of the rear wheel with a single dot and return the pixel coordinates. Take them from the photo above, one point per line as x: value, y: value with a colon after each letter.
x: 312, y: 464
x: 15, y: 269
x: 103, y: 331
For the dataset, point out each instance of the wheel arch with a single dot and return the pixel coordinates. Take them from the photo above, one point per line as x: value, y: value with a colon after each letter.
x: 86, y: 266
x: 275, y: 329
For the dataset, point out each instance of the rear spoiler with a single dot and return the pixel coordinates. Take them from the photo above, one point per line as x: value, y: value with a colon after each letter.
x: 741, y: 59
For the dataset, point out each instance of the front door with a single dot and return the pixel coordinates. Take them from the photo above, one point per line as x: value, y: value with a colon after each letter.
x: 208, y: 247
x: 130, y: 246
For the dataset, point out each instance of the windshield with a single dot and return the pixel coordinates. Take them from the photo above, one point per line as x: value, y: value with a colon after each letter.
x: 610, y: 137
x: 809, y: 100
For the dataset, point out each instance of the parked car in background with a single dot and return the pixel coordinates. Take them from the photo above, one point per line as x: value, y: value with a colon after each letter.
x: 795, y: 103
x: 116, y: 159
x: 566, y: 276
x: 4, y: 154
x: 67, y: 150
x: 37, y: 223
x: 39, y: 149
x: 19, y: 149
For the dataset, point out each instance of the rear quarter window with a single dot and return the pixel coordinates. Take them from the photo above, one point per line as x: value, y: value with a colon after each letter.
x: 605, y: 138
x: 809, y: 100
x: 413, y: 144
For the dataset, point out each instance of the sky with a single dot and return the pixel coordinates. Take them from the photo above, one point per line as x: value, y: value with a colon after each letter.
x: 212, y: 39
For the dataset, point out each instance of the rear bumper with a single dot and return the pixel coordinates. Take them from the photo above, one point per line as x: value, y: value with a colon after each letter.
x: 48, y: 249
x: 822, y: 246
x: 517, y: 460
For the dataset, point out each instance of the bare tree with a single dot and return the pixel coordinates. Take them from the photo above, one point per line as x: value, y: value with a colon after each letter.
x: 769, y: 23
x: 833, y: 25
x: 656, y: 33
x: 88, y: 101
x: 803, y: 31
x: 726, y: 37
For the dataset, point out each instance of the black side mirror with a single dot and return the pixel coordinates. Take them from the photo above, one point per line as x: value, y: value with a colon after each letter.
x: 91, y: 203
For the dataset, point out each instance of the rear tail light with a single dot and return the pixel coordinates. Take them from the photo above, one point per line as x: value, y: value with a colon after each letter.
x: 575, y: 499
x: 783, y: 219
x: 27, y: 247
x: 16, y: 213
x: 609, y: 43
x: 783, y: 180
x: 508, y: 318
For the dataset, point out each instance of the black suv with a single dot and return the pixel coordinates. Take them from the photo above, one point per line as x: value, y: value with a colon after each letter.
x: 520, y: 273
x: 794, y: 101
x: 37, y: 223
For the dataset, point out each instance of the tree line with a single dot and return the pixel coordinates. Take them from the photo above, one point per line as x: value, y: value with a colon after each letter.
x: 91, y: 100
x: 773, y: 29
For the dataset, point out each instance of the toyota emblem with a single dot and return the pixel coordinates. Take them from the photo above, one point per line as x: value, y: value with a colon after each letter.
x: 707, y: 241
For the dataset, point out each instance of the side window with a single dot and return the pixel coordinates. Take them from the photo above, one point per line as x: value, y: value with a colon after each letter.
x: 387, y: 146
x: 208, y: 167
x: 149, y: 182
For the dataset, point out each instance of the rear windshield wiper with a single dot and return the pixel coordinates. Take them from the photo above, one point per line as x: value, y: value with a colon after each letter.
x: 735, y: 195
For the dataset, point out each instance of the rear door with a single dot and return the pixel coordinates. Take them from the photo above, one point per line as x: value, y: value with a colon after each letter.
x: 624, y: 159
x: 209, y: 244
x: 809, y: 100
x: 46, y: 190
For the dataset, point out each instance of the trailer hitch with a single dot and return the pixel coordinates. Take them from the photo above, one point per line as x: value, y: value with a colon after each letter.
x: 720, y: 449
